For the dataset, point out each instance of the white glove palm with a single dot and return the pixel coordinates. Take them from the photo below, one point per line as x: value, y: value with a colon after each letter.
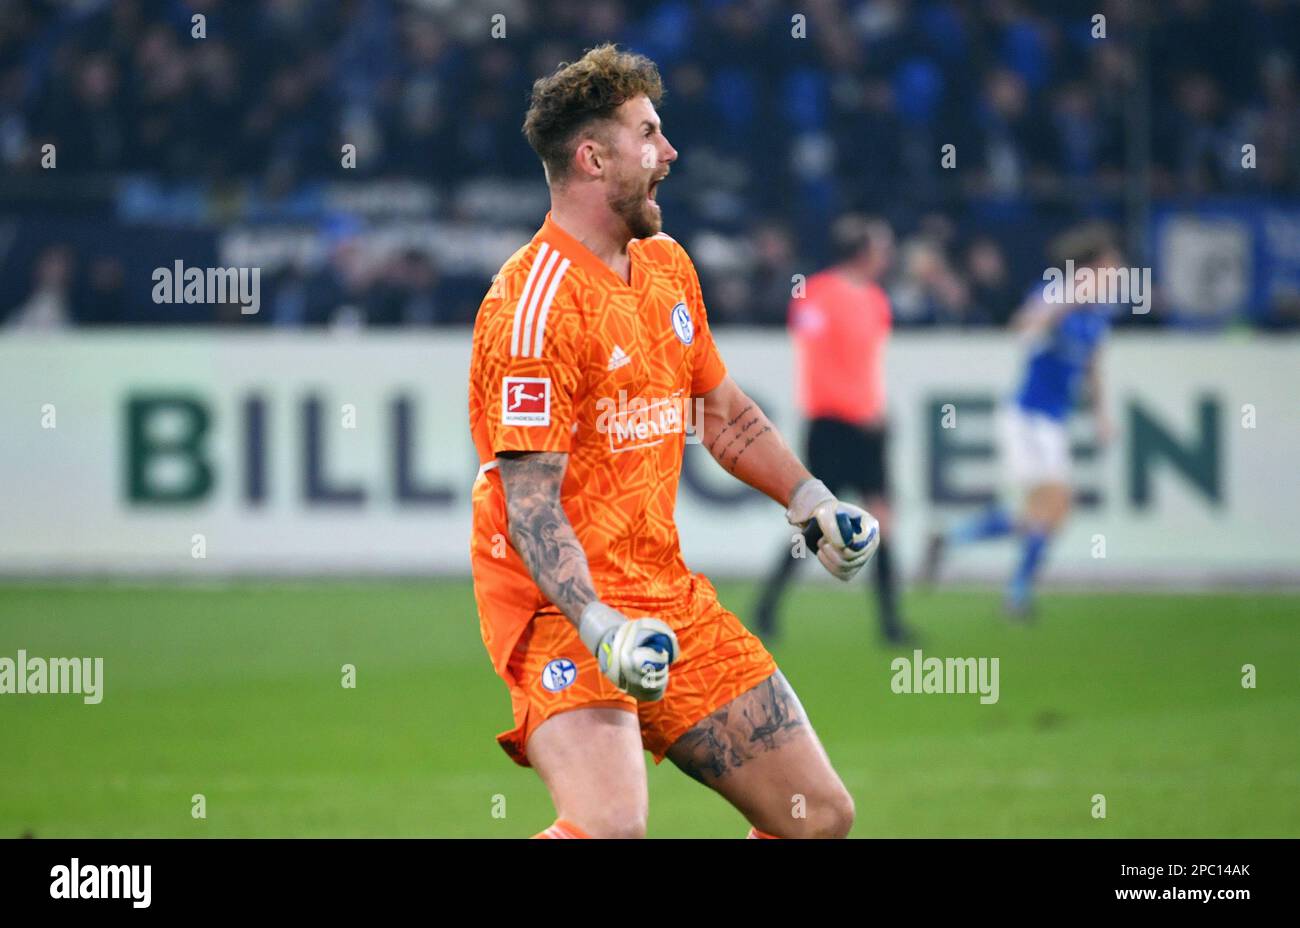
x: 847, y: 535
x: 633, y: 653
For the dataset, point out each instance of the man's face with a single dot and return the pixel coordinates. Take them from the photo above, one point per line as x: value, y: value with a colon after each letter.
x: 639, y: 156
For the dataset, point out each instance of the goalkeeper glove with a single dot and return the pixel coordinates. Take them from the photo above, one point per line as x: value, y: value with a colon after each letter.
x: 634, y: 654
x: 846, y: 535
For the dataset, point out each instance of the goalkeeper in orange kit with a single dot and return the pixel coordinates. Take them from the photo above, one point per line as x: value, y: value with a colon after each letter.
x: 592, y: 359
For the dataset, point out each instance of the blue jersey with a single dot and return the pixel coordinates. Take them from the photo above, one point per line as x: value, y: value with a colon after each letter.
x: 1058, y: 360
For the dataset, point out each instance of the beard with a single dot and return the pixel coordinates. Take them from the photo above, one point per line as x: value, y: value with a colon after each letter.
x: 629, y: 204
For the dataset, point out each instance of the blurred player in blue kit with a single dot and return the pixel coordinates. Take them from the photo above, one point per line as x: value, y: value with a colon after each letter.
x: 1063, y: 342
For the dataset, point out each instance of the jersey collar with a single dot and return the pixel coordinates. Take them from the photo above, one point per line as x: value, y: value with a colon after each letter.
x: 579, y: 253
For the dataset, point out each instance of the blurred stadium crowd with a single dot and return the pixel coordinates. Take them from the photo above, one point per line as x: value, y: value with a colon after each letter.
x: 171, y: 146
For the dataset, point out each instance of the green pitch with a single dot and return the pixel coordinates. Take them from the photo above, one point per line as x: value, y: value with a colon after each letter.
x: 235, y: 693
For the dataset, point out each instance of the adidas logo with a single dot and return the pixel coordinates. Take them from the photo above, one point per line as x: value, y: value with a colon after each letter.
x: 617, y: 358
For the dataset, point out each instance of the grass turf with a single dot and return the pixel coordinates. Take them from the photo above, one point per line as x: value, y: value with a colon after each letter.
x: 234, y: 692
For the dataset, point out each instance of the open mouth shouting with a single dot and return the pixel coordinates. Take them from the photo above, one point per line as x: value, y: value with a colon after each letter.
x: 654, y: 186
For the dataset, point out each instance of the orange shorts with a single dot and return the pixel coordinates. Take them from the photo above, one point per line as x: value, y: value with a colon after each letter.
x: 720, y: 659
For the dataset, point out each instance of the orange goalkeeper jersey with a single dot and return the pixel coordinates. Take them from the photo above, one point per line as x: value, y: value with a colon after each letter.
x: 568, y: 357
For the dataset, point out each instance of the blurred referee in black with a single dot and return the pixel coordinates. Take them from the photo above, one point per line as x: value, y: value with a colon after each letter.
x: 839, y: 327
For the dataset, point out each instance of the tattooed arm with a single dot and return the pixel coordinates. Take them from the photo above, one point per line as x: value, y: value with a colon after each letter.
x: 634, y: 654
x: 743, y: 440
x: 540, y: 531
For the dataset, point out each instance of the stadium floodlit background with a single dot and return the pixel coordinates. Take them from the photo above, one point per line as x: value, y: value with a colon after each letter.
x: 232, y: 508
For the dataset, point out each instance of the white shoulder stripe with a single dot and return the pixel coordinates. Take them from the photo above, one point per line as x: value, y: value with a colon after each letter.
x: 523, y: 297
x: 534, y: 298
x: 546, y: 306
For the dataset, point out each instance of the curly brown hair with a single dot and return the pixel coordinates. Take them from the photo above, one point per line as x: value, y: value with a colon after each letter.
x: 579, y: 95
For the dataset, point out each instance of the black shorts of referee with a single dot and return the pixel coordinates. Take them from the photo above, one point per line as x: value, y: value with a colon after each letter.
x: 848, y: 457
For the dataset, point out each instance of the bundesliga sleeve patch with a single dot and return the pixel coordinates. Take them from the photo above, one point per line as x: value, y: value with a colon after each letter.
x: 526, y: 401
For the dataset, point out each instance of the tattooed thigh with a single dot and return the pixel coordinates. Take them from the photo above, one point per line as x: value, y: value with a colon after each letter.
x: 753, y: 724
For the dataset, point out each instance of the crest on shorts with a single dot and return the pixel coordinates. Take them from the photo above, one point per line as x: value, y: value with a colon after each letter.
x: 558, y: 674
